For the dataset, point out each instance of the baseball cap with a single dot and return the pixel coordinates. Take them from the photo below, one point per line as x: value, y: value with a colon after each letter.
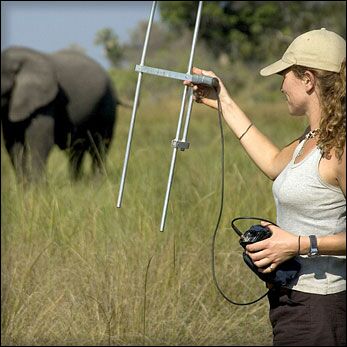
x: 318, y: 49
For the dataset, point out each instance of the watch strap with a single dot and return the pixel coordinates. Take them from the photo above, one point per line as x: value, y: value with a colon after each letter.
x: 313, y: 246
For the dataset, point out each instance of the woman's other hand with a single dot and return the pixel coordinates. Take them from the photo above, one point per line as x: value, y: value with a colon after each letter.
x: 271, y: 252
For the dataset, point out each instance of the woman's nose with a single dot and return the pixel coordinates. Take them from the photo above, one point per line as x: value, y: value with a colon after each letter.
x: 281, y: 87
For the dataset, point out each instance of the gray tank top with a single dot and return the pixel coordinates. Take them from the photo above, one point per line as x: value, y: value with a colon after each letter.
x: 308, y: 206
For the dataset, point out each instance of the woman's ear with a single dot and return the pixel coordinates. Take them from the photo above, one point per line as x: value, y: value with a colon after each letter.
x: 309, y: 81
x: 35, y: 86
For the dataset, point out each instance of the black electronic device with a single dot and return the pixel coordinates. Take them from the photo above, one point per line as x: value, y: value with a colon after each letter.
x: 284, y: 273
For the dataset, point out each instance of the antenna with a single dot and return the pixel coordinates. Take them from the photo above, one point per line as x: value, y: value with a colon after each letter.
x: 178, y: 142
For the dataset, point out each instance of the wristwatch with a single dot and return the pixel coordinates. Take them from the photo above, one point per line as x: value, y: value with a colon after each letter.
x: 313, y: 246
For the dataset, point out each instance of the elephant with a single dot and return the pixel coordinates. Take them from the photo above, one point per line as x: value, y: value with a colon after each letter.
x: 63, y: 98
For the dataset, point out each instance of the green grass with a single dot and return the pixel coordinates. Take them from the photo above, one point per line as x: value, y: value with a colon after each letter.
x: 78, y: 271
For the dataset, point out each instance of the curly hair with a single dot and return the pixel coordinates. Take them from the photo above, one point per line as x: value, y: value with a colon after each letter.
x: 332, y: 89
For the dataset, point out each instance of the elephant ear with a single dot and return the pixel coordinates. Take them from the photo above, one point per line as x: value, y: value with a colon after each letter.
x: 35, y: 86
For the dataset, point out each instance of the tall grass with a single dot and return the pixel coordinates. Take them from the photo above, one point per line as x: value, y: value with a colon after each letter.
x: 78, y: 271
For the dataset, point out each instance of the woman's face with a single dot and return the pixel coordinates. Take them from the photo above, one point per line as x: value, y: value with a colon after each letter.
x: 295, y: 92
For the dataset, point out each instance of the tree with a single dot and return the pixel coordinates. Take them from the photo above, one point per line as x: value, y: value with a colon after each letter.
x: 112, y: 48
x: 246, y: 29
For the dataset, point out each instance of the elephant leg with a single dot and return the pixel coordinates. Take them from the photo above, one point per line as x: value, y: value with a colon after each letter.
x: 39, y: 140
x: 17, y: 156
x: 98, y: 149
x: 13, y: 136
x: 76, y: 153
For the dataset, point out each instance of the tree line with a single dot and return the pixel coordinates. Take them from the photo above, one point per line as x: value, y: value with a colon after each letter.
x: 251, y: 31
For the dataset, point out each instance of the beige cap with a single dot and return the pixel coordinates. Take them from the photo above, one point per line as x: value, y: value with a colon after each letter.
x: 318, y: 49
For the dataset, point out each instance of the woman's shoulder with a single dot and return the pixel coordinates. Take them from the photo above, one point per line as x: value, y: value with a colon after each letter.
x: 341, y: 170
x: 333, y: 169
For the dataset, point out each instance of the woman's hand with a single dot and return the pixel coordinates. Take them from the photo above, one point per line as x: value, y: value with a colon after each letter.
x: 205, y: 94
x: 271, y: 252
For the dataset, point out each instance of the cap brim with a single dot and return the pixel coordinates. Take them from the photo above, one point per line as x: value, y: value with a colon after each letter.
x: 274, y: 68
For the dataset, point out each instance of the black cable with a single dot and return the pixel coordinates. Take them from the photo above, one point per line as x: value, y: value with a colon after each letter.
x: 220, y: 113
x: 238, y: 232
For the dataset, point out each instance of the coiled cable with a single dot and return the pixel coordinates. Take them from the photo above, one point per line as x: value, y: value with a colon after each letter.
x: 214, y: 236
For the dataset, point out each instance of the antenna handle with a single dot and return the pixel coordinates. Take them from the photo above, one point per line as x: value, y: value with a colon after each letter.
x: 209, y: 81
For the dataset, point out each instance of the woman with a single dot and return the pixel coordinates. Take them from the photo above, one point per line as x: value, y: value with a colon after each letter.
x: 309, y: 189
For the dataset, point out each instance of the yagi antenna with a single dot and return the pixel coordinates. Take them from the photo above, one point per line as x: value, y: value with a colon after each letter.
x: 177, y: 142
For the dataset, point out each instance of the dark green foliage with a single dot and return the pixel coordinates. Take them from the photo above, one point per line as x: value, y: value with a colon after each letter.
x: 247, y: 30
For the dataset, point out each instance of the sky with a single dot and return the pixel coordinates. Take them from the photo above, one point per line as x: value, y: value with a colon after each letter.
x: 52, y: 25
